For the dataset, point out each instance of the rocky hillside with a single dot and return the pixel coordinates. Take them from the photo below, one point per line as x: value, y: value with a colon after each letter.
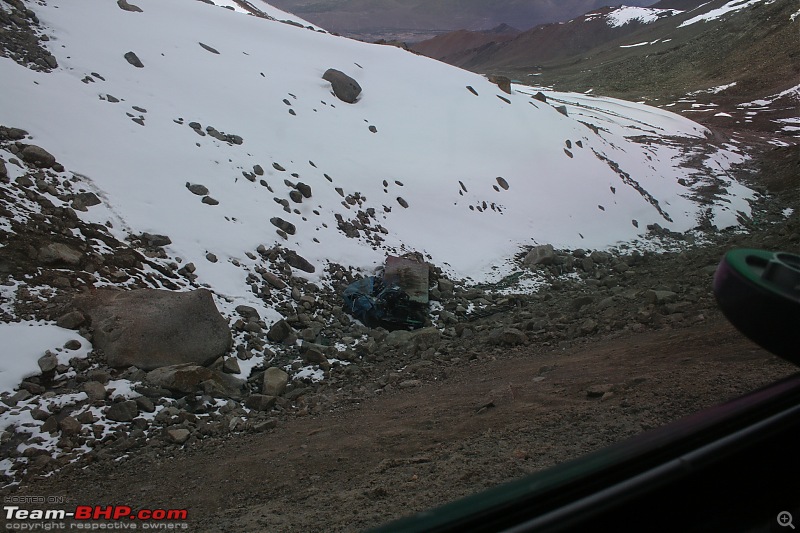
x: 181, y: 208
x: 696, y: 56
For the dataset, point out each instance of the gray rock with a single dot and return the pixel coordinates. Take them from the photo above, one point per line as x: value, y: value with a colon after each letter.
x: 540, y: 255
x: 94, y: 390
x: 260, y: 402
x: 48, y: 362
x: 660, y: 297
x: 58, y: 253
x: 38, y: 156
x: 288, y: 227
x: 588, y: 326
x: 425, y: 338
x: 299, y: 262
x: 134, y: 60
x: 275, y: 381
x: 145, y: 404
x: 122, y: 411
x: 231, y: 366
x: 72, y: 344
x: 273, y: 280
x: 249, y: 313
x: 209, y: 48
x: 71, y: 320
x: 189, y: 378
x: 177, y: 435
x: 125, y: 6
x: 304, y: 189
x: 151, y: 328
x: 446, y: 286
x: 87, y: 199
x: 196, y: 188
x: 280, y: 331
x: 344, y: 87
x: 398, y: 338
x: 69, y: 426
x: 3, y: 169
x: 511, y: 337
x: 502, y: 82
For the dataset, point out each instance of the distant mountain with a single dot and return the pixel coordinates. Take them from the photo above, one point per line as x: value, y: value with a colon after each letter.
x: 545, y: 43
x: 459, y: 46
x: 661, y: 53
x: 417, y: 20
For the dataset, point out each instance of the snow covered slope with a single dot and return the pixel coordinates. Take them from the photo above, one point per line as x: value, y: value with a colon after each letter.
x: 465, y: 176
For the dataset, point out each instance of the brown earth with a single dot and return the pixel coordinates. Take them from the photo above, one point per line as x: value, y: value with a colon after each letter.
x: 495, y: 419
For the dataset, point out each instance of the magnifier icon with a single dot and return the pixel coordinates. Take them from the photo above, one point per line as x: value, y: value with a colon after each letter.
x: 785, y: 519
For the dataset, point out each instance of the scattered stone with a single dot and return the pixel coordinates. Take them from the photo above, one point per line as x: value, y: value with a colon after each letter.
x: 196, y: 188
x: 70, y: 426
x: 503, y: 82
x: 94, y: 390
x: 280, y: 331
x: 231, y: 366
x: 260, y: 402
x: 189, y: 379
x: 178, y: 435
x: 511, y: 337
x: 124, y: 411
x: 304, y: 189
x: 209, y: 200
x: 288, y: 227
x: 71, y: 320
x: 72, y: 344
x: 48, y: 362
x: 134, y: 60
x: 210, y: 49
x: 299, y: 262
x: 125, y: 6
x: 660, y: 297
x: 275, y: 381
x: 344, y: 87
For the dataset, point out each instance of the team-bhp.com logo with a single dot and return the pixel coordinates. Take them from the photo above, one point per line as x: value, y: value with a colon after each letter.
x: 95, y: 517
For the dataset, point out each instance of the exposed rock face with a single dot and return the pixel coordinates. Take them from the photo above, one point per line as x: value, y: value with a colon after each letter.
x: 344, y: 87
x: 150, y: 328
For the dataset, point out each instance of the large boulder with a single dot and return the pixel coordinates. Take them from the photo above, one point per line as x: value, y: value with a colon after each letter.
x: 151, y: 328
x: 540, y: 255
x: 344, y: 87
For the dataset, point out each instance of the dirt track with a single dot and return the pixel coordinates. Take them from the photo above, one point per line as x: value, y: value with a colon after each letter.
x: 487, y: 422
